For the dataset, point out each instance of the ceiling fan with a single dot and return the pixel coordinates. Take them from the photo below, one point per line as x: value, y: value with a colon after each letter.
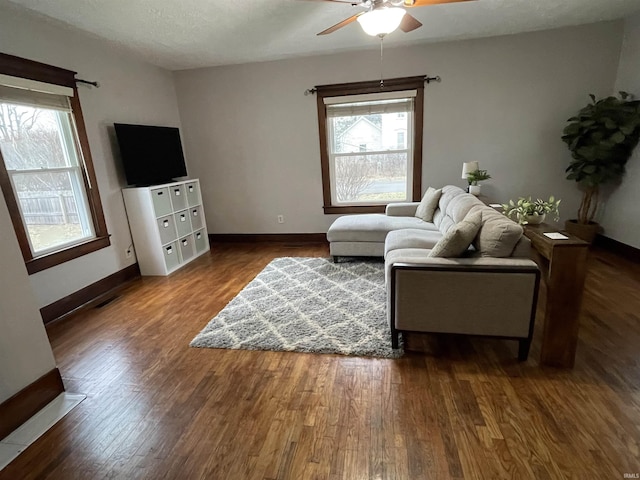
x: 384, y: 16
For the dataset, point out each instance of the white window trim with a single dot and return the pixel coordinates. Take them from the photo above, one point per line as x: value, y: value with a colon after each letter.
x: 409, y: 140
x: 68, y: 138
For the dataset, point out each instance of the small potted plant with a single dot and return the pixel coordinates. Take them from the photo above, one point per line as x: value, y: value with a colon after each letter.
x: 527, y: 211
x: 474, y: 177
x: 601, y: 139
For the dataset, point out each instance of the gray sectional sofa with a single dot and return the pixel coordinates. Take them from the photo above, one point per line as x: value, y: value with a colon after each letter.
x: 491, y: 289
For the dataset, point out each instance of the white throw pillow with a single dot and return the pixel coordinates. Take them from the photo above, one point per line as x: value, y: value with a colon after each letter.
x: 457, y: 240
x: 428, y: 204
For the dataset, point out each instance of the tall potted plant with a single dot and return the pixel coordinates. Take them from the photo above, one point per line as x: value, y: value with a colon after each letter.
x: 601, y: 139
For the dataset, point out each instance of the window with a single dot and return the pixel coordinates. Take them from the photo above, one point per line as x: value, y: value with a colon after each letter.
x: 46, y: 173
x: 367, y: 164
x: 370, y: 144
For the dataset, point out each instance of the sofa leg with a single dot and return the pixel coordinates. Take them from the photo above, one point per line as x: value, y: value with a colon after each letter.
x: 523, y: 349
x: 335, y: 258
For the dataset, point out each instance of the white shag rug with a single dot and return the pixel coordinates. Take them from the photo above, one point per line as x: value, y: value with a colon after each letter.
x: 307, y: 305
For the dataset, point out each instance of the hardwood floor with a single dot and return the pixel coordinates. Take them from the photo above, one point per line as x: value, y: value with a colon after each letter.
x: 463, y: 408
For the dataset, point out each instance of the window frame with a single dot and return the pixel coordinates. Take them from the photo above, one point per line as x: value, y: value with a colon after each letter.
x: 29, y: 69
x: 360, y: 88
x: 332, y: 154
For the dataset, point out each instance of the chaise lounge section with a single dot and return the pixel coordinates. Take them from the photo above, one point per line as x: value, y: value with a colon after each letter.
x: 364, y: 235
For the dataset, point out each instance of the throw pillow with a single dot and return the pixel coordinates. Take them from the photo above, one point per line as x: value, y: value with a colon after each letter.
x: 457, y: 240
x: 428, y: 204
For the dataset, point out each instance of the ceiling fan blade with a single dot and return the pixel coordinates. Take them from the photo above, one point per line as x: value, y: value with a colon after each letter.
x: 424, y: 3
x: 343, y: 23
x: 409, y: 23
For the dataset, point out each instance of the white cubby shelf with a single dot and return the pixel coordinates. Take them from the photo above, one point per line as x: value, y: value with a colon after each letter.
x: 167, y: 224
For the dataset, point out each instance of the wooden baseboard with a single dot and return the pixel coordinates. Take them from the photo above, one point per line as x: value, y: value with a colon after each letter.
x: 89, y: 295
x: 267, y: 237
x: 30, y: 400
x: 627, y: 251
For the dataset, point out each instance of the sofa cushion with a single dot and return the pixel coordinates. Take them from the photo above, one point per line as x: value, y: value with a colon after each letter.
x: 457, y: 240
x: 459, y: 207
x: 453, y: 207
x: 522, y: 248
x: 371, y: 227
x: 428, y: 204
x: 403, y: 255
x: 498, y: 234
x: 411, y: 238
x: 449, y: 192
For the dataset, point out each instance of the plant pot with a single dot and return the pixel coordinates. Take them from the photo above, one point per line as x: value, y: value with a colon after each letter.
x: 474, y: 190
x: 586, y: 232
x: 536, y: 219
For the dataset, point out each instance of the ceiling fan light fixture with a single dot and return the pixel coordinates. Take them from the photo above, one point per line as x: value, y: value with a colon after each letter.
x: 381, y: 21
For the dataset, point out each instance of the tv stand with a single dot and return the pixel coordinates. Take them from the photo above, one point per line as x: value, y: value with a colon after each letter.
x: 167, y: 224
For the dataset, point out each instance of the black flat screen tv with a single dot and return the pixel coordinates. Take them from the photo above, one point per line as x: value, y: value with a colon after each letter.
x: 150, y: 155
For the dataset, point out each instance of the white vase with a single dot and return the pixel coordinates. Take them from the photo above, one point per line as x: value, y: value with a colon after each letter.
x: 536, y: 219
x: 474, y: 190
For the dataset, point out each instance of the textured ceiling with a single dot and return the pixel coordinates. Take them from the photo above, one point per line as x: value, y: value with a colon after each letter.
x: 198, y: 33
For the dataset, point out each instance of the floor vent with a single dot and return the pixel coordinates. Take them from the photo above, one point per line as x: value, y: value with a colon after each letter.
x: 106, y: 302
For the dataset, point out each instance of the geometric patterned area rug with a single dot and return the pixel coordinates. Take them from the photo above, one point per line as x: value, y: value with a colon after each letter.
x: 303, y: 304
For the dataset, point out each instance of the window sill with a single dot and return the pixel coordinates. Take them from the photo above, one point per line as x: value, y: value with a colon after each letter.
x: 52, y: 259
x: 331, y: 209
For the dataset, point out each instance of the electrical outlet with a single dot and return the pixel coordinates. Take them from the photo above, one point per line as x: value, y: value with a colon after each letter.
x: 129, y: 251
x: 280, y: 218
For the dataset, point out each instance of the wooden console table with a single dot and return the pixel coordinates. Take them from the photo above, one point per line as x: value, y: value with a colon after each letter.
x: 563, y: 264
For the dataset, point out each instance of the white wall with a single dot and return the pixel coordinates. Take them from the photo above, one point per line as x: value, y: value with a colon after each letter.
x: 621, y: 214
x: 252, y: 136
x: 131, y: 91
x: 25, y: 353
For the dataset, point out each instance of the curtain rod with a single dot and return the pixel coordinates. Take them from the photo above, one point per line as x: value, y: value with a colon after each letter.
x: 311, y: 91
x: 95, y: 84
